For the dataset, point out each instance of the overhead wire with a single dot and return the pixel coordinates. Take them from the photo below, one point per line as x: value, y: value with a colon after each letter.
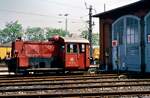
x: 46, y: 15
x: 26, y: 13
x: 35, y: 14
x: 74, y: 21
x: 63, y: 4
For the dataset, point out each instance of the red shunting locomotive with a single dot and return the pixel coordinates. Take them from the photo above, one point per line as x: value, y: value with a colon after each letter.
x: 56, y: 54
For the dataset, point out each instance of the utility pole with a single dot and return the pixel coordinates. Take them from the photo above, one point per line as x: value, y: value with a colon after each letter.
x: 90, y: 27
x: 90, y: 30
x: 66, y: 23
x: 104, y: 7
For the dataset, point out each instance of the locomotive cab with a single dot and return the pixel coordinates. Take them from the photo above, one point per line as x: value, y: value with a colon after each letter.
x: 76, y: 54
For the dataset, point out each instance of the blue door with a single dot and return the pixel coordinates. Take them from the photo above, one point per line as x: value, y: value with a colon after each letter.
x: 119, y: 50
x: 126, y: 55
x: 147, y: 42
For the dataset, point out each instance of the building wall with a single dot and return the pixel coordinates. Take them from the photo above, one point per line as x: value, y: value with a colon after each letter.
x: 105, y: 39
x: 106, y: 35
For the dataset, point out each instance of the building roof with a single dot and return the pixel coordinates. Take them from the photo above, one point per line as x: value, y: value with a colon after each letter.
x: 125, y: 9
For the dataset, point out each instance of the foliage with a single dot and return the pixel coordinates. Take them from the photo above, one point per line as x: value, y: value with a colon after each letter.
x: 95, y: 37
x: 50, y: 32
x: 11, y: 32
x: 35, y: 33
x: 84, y: 34
x: 1, y: 36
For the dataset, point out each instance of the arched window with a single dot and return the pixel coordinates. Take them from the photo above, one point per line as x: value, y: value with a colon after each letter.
x: 132, y: 30
x: 126, y: 30
x: 118, y: 29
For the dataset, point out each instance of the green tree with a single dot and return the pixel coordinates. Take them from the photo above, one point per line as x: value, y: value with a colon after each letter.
x: 35, y: 33
x: 51, y: 32
x: 95, y: 37
x: 84, y: 34
x: 11, y: 32
x: 1, y: 37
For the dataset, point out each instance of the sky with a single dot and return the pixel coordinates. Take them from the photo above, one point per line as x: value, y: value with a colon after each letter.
x: 50, y: 13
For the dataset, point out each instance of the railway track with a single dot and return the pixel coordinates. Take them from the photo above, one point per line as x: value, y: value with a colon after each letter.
x: 98, y: 94
x: 69, y: 85
x: 84, y: 81
x: 3, y: 65
x: 18, y: 77
x: 78, y: 86
x: 74, y: 87
x: 4, y: 70
x: 17, y: 80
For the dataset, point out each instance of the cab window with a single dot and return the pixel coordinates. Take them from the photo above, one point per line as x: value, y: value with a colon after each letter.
x: 72, y: 48
x: 82, y: 48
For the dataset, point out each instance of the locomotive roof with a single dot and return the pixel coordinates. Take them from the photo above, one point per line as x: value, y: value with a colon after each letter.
x: 75, y: 40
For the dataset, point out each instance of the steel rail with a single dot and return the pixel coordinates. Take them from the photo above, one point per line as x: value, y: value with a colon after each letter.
x: 72, y: 79
x: 53, y: 79
x: 62, y: 87
x: 48, y: 82
x: 11, y: 77
x: 102, y: 93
